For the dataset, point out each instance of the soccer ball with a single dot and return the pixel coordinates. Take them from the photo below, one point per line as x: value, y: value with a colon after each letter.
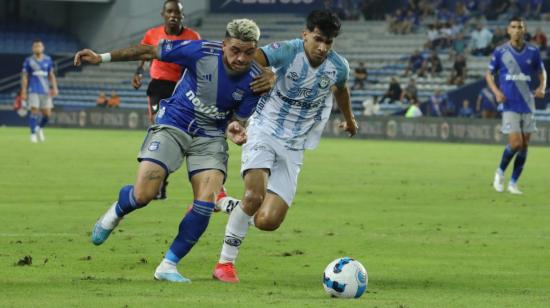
x: 345, y: 277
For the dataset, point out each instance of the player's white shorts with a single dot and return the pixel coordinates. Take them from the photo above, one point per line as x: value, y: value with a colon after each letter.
x: 513, y: 122
x: 263, y: 151
x: 40, y: 101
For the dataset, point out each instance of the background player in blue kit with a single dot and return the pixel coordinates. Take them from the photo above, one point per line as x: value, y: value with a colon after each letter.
x: 38, y: 86
x: 516, y: 63
x: 216, y: 88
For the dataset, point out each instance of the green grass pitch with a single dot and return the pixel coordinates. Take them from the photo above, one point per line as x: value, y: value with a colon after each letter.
x: 422, y: 217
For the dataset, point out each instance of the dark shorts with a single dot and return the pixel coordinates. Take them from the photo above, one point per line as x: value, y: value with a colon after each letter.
x: 157, y: 90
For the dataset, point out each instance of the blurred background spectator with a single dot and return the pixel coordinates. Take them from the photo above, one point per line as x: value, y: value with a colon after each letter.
x: 360, y: 75
x: 393, y: 93
x: 114, y: 100
x: 101, y: 100
x: 465, y: 110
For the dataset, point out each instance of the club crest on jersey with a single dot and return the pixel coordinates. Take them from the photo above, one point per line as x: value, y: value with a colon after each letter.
x: 324, y: 82
x: 275, y: 45
x: 238, y: 95
x: 153, y: 146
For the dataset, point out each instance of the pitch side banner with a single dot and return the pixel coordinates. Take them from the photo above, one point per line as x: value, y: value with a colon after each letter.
x: 389, y: 128
x: 265, y: 6
x: 435, y: 129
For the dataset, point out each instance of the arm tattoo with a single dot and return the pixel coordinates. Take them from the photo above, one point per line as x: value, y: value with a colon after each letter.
x: 138, y: 52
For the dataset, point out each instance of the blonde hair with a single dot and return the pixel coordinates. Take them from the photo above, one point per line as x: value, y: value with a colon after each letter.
x: 243, y: 29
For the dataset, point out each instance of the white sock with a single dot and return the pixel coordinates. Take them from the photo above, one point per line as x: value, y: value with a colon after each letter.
x: 227, y: 204
x: 166, y: 266
x: 235, y: 231
x: 110, y: 220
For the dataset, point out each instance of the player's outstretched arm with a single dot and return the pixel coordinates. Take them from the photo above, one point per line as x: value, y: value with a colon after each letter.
x: 342, y: 96
x: 138, y: 52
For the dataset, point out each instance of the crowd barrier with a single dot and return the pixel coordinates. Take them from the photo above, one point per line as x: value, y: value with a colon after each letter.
x: 435, y: 129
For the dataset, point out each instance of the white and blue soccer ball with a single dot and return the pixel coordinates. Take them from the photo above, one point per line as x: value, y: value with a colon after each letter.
x: 345, y: 277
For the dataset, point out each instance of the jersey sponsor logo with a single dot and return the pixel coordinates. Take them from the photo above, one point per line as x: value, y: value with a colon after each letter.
x: 324, y: 82
x: 297, y: 103
x: 207, y: 77
x: 306, y: 92
x: 40, y: 73
x: 238, y: 95
x: 293, y: 76
x: 517, y: 77
x: 211, y: 111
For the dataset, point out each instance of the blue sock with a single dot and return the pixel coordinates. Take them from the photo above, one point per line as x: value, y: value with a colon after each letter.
x: 33, y: 119
x: 126, y: 202
x: 507, y: 157
x: 44, y: 121
x: 519, y: 162
x: 191, y: 228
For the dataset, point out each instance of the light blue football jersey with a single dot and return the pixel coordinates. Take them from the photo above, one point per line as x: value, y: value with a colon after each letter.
x: 206, y: 97
x: 301, y: 100
x: 38, y: 71
x: 516, y: 71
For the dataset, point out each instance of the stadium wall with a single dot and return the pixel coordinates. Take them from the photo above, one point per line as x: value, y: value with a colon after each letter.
x: 100, y: 24
x: 435, y: 129
x: 121, y: 19
x: 388, y: 128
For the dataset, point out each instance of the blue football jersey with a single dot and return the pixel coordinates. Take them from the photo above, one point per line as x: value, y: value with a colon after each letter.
x: 206, y: 97
x: 38, y: 71
x: 516, y: 71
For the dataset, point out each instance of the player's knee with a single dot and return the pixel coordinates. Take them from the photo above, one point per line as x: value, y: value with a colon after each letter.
x: 208, y: 196
x: 144, y: 196
x: 253, y: 199
x: 266, y: 223
x: 516, y: 145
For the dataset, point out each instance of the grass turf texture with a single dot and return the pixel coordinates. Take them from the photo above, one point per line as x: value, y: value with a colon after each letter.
x: 422, y: 217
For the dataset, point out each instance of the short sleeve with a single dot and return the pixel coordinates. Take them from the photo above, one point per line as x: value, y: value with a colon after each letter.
x: 26, y: 66
x: 51, y: 67
x: 280, y: 53
x: 493, y: 64
x: 178, y: 52
x: 342, y: 75
x: 148, y: 38
x: 247, y: 107
x: 537, y: 62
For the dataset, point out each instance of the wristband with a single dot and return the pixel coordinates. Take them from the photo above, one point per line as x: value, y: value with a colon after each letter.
x: 105, y: 57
